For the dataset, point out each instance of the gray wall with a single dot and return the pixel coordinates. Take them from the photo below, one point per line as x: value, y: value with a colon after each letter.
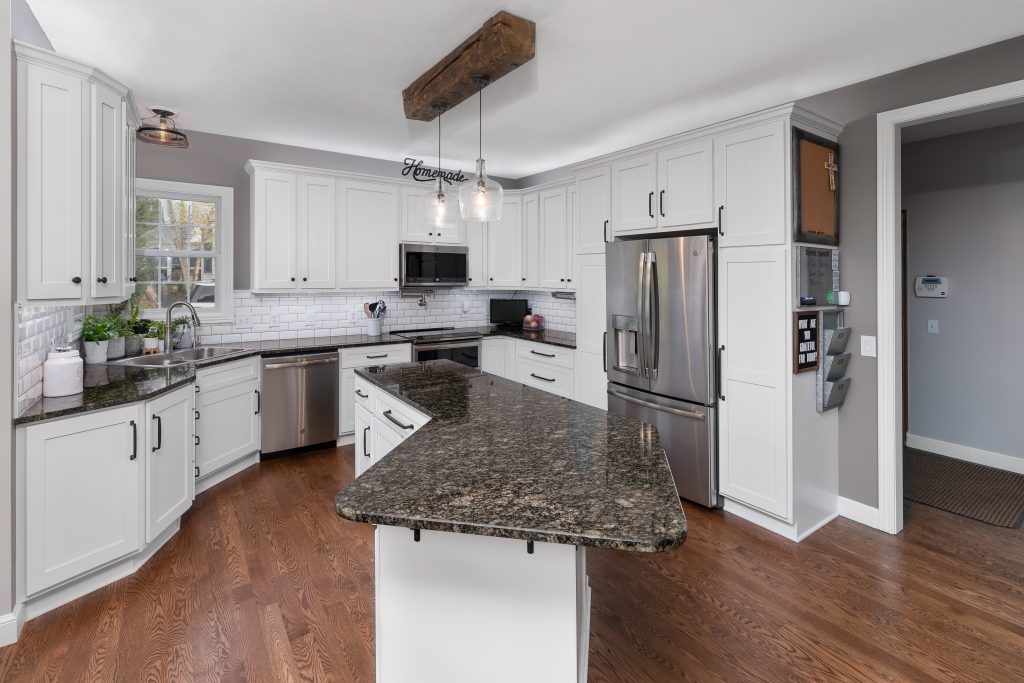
x: 856, y: 106
x: 965, y: 220
x: 25, y: 27
x: 219, y: 160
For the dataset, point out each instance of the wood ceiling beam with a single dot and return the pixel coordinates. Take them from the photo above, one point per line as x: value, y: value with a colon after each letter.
x: 504, y: 43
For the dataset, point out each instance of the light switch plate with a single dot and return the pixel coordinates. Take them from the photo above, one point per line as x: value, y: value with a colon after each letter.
x: 274, y: 320
x: 933, y: 327
x: 243, y: 321
x: 868, y: 346
x: 310, y: 319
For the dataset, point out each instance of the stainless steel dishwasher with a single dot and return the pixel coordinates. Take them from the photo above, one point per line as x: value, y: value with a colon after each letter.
x: 300, y: 401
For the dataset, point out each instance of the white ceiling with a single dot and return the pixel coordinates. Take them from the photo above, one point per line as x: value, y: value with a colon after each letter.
x: 328, y: 74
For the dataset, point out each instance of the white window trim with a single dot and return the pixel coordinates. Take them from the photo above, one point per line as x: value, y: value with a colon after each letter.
x: 225, y: 199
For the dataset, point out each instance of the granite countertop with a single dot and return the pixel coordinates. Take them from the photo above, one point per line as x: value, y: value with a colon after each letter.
x: 499, y: 458
x: 565, y: 339
x: 107, y: 386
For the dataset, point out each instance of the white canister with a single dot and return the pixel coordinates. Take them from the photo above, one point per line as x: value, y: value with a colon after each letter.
x: 373, y: 327
x: 62, y: 373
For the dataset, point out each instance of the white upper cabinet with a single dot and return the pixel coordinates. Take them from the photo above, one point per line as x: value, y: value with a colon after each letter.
x: 750, y: 183
x: 633, y: 183
x: 368, y: 230
x: 476, y: 242
x: 316, y: 232
x: 275, y: 241
x: 128, y: 277
x: 504, y: 246
x: 593, y: 217
x: 555, y: 240
x: 414, y: 225
x: 72, y: 181
x: 685, y: 186
x: 530, y: 247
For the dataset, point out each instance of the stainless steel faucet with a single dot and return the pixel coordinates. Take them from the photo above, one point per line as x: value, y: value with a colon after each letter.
x: 169, y: 334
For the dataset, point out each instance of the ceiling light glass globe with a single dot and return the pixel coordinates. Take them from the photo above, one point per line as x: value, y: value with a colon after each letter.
x: 480, y: 197
x: 440, y: 209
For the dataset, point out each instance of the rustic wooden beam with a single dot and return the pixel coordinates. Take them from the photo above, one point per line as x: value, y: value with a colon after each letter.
x: 504, y: 43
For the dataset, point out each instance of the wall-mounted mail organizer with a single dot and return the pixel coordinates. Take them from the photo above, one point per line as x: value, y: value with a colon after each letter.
x: 832, y: 383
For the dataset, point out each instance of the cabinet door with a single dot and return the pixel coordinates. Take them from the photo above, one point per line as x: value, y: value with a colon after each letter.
x: 363, y: 451
x: 686, y: 186
x: 170, y: 453
x: 753, y: 321
x: 530, y: 257
x: 414, y: 227
x: 492, y: 357
x: 347, y: 403
x: 228, y: 426
x: 453, y: 234
x: 316, y: 230
x: 750, y: 182
x: 368, y: 221
x: 571, y: 202
x: 50, y: 197
x: 128, y: 198
x: 633, y: 183
x: 274, y: 242
x: 504, y: 246
x: 476, y: 242
x: 590, y: 303
x: 107, y: 201
x: 593, y: 216
x: 83, y: 479
x: 385, y: 440
x: 553, y: 254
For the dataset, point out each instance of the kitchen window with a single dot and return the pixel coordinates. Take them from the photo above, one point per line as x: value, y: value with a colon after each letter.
x: 183, y: 247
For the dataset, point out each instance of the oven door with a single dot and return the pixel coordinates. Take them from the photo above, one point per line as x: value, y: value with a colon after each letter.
x: 464, y: 352
x: 424, y: 265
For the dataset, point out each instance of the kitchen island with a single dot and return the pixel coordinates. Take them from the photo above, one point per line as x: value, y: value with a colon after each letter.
x: 483, y: 516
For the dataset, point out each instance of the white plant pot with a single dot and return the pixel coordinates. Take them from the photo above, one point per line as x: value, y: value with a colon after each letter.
x: 95, y: 352
x: 150, y: 343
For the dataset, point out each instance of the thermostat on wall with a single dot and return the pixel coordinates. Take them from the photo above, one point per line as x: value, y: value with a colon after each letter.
x: 931, y: 286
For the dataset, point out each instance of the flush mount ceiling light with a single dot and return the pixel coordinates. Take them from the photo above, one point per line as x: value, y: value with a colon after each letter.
x: 159, y: 129
x: 480, y: 197
x: 439, y: 210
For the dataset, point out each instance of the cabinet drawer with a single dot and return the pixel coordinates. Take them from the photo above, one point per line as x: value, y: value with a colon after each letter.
x: 363, y: 393
x: 552, y: 378
x: 365, y: 356
x: 227, y: 374
x: 545, y: 353
x: 400, y: 416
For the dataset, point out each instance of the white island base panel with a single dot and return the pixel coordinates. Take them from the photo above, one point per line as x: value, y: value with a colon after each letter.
x: 456, y: 608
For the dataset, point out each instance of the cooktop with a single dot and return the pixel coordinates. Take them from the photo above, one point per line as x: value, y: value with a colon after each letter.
x: 424, y: 335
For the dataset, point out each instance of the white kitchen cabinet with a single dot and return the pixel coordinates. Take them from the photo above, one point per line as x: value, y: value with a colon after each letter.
x: 685, y: 199
x: 415, y: 227
x: 274, y: 241
x: 591, y: 378
x: 530, y: 246
x: 476, y: 259
x: 753, y: 318
x: 547, y: 367
x: 368, y: 231
x: 362, y: 357
x: 555, y: 241
x: 83, y: 485
x: 363, y: 447
x: 504, y: 246
x: 130, y: 118
x: 71, y: 181
x: 227, y: 424
x: 170, y: 456
x: 594, y: 210
x: 316, y: 226
x: 385, y: 439
x: 497, y: 356
x: 750, y: 183
x: 633, y: 183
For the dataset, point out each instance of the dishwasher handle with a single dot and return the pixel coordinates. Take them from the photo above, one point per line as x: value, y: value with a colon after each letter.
x: 300, y: 363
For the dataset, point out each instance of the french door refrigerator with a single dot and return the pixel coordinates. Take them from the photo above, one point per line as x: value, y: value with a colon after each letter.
x: 662, y: 353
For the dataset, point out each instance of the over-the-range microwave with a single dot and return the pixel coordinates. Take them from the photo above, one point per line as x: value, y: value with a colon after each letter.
x: 427, y: 266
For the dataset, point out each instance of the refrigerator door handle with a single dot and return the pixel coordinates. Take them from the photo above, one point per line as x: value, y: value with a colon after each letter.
x: 652, y: 314
x: 655, y: 406
x: 641, y: 342
x: 718, y: 374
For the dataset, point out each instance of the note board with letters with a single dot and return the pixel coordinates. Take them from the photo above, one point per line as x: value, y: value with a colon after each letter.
x: 805, y: 342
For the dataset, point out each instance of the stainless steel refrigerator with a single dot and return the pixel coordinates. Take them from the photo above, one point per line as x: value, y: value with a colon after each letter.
x: 662, y: 354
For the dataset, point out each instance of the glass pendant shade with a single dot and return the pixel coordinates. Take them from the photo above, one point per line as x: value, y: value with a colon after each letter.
x: 480, y: 197
x: 440, y: 209
x: 162, y: 131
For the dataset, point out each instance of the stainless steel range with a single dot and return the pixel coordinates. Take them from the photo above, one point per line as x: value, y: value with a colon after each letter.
x: 450, y: 343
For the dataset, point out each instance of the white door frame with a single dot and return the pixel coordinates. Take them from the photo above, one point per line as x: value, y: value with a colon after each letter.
x: 890, y: 280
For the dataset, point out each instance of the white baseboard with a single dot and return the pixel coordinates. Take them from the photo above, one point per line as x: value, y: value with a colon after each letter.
x: 1000, y: 461
x: 227, y: 472
x: 788, y: 530
x: 858, y: 512
x: 10, y: 625
x: 346, y: 439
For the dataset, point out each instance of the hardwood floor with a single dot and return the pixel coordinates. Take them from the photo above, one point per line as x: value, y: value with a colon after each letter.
x: 265, y: 583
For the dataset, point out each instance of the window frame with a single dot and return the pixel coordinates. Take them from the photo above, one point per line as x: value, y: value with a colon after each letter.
x: 223, y: 197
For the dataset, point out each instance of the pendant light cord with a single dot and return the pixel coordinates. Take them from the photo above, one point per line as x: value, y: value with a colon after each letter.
x: 480, y: 121
x: 440, y: 191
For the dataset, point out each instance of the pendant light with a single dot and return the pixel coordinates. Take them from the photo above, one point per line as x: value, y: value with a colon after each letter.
x: 439, y: 209
x: 479, y: 196
x: 162, y: 131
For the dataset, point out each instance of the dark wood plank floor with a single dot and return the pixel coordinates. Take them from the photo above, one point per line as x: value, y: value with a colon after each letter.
x: 266, y: 583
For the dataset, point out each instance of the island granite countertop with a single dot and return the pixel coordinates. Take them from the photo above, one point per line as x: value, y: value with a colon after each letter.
x: 499, y: 458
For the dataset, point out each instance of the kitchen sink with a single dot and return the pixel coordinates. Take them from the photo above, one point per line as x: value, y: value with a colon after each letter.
x: 164, y: 360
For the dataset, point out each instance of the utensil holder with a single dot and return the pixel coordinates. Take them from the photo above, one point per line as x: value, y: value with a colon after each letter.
x: 373, y: 327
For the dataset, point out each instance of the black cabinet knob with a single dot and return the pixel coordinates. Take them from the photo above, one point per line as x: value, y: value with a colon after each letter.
x: 396, y: 279
x: 524, y: 279
x: 432, y: 234
x: 293, y: 279
x: 568, y: 279
x: 470, y: 279
x: 102, y: 280
x: 304, y: 279
x: 133, y: 279
x: 77, y: 280
x: 492, y: 279
x: 561, y: 279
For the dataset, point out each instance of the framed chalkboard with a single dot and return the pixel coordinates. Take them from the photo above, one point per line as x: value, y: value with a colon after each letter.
x: 815, y: 188
x: 805, y: 342
x: 817, y: 275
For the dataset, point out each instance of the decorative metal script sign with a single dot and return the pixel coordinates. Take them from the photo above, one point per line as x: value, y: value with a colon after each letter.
x: 426, y: 174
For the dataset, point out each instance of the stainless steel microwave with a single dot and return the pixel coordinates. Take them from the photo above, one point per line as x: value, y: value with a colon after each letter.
x: 427, y: 266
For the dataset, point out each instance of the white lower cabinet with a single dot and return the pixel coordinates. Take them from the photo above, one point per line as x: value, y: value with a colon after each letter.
x: 363, y: 357
x: 498, y: 356
x: 591, y: 378
x: 227, y: 420
x: 83, y: 484
x: 364, y: 451
x: 170, y: 453
x: 382, y: 422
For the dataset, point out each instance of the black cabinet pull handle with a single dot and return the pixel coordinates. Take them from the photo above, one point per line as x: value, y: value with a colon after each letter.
x: 377, y: 355
x: 259, y: 402
x: 197, y: 388
x: 721, y: 227
x: 387, y: 414
x: 77, y: 280
x: 135, y: 441
x: 538, y: 353
x: 606, y: 231
x: 650, y: 204
x: 718, y: 380
x: 360, y: 394
x: 604, y: 352
x: 197, y: 471
x: 366, y: 451
x: 546, y: 379
x: 197, y: 414
x: 196, y: 437
x: 661, y: 203
x: 159, y: 433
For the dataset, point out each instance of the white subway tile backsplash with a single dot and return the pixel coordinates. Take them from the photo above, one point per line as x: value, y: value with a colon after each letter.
x: 41, y: 328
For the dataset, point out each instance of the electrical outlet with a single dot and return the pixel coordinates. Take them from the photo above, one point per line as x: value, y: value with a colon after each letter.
x: 310, y: 319
x: 243, y: 321
x: 933, y: 327
x: 868, y: 346
x: 274, y: 320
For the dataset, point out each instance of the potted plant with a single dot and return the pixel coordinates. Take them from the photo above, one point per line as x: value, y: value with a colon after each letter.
x: 181, y: 332
x: 118, y: 332
x: 154, y: 340
x: 134, y: 329
x: 95, y: 337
